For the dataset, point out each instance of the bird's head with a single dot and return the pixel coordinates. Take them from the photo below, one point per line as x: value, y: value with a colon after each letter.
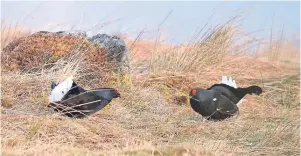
x: 202, y: 96
x: 254, y: 90
x: 116, y: 94
x: 196, y: 92
x: 109, y: 93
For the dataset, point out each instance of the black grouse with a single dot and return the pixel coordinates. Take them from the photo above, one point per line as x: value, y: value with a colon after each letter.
x: 73, y: 101
x: 220, y: 100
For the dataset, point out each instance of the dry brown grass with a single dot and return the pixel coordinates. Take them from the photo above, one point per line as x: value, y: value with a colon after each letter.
x: 11, y: 32
x: 153, y: 117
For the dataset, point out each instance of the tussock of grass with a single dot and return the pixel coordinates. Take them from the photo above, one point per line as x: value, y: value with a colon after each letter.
x: 209, y: 51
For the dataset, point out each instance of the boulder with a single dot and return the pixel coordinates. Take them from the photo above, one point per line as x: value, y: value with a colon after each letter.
x: 118, y: 51
x: 46, y: 47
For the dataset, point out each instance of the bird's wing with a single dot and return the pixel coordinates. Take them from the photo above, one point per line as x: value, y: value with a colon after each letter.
x: 226, y: 106
x: 232, y: 89
x: 77, y: 90
x: 223, y: 88
x: 97, y: 106
x: 83, y: 104
x: 89, y: 99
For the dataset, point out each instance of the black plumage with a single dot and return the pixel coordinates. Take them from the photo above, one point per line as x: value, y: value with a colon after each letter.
x: 220, y: 100
x: 235, y: 94
x: 79, y: 103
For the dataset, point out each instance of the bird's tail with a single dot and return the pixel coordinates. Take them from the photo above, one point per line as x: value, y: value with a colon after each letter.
x: 228, y: 81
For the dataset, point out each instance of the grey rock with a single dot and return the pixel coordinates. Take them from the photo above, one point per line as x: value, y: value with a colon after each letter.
x: 77, y: 33
x: 43, y: 32
x: 118, y: 51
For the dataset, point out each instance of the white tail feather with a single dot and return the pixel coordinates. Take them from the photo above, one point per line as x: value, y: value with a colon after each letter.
x: 234, y: 84
x: 60, y: 90
x: 229, y: 81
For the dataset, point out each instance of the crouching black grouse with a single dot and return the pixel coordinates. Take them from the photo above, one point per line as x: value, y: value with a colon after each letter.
x: 73, y: 101
x: 220, y: 100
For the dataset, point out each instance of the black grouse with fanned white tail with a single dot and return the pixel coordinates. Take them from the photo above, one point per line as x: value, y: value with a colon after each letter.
x: 220, y: 101
x: 78, y: 102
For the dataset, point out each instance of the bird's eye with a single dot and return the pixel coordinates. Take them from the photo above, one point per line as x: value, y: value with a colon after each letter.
x: 63, y: 92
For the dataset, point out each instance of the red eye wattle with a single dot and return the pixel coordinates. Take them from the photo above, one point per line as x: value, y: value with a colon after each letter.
x: 116, y: 91
x: 193, y: 92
